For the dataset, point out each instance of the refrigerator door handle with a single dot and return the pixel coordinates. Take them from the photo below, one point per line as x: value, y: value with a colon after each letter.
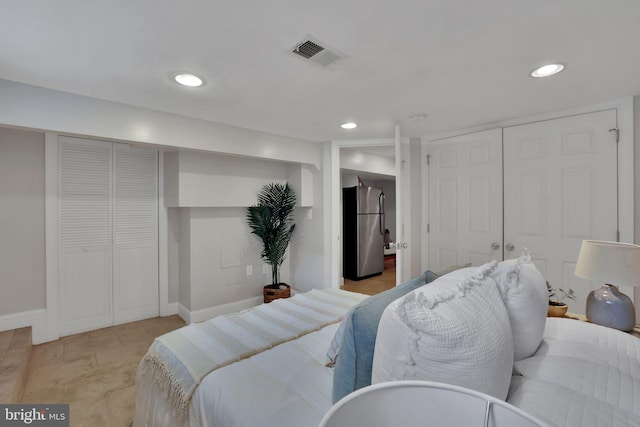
x: 383, y: 220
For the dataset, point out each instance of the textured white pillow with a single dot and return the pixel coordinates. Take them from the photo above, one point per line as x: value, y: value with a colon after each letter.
x: 524, y: 292
x: 455, y: 331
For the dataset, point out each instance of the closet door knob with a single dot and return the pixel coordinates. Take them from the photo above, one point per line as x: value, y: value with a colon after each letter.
x: 495, y: 246
x: 509, y: 247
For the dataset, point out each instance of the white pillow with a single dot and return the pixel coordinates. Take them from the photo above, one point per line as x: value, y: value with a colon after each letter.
x: 524, y: 292
x: 455, y: 331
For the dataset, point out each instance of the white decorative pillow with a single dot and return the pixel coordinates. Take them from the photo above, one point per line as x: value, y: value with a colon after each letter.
x: 455, y: 331
x: 524, y: 292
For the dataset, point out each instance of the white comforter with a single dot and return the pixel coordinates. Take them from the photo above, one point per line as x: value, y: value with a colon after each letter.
x: 581, y: 375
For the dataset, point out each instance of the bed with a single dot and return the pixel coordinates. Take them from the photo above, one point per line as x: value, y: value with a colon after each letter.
x: 275, y: 379
x: 574, y: 374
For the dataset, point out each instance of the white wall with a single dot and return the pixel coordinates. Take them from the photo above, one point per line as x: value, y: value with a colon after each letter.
x: 417, y: 233
x: 306, y: 252
x: 221, y: 248
x: 636, y: 145
x: 348, y: 179
x: 215, y: 244
x: 45, y: 109
x: 358, y: 161
x: 171, y: 178
x: 184, y: 258
x: 22, y: 234
x: 173, y: 253
x: 31, y: 107
x: 213, y: 192
x: 327, y: 232
x: 213, y: 180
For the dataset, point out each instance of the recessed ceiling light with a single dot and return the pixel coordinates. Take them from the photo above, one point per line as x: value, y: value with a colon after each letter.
x: 187, y: 79
x: 349, y: 125
x: 547, y: 70
x: 417, y: 117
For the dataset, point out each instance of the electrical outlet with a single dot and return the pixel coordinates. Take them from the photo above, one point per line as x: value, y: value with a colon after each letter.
x: 249, y: 270
x: 265, y: 268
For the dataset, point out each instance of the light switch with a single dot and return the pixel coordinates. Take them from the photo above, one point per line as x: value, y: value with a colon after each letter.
x: 249, y: 270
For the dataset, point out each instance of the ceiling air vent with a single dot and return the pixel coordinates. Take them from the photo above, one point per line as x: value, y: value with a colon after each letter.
x: 314, y: 51
x: 308, y: 49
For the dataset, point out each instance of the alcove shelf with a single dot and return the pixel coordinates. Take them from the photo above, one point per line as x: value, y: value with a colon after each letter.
x: 196, y: 179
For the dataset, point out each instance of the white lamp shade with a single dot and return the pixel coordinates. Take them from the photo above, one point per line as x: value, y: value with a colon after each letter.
x: 609, y: 262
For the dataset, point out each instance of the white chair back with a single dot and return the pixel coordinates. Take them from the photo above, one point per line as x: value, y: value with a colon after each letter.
x: 423, y: 403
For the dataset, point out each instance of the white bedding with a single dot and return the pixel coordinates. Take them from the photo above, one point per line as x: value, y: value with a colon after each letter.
x: 581, y: 375
x: 180, y: 362
x: 288, y: 386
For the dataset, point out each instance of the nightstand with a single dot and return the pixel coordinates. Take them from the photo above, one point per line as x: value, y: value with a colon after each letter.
x: 583, y: 318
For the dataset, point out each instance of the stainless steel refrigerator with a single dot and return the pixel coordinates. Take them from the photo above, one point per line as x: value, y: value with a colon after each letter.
x: 363, y: 232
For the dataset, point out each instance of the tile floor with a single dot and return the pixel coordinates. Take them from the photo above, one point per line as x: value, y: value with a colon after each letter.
x: 15, y: 349
x: 94, y: 371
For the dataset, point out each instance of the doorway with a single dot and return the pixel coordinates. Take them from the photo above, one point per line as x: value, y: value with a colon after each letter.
x: 371, y: 166
x: 408, y: 169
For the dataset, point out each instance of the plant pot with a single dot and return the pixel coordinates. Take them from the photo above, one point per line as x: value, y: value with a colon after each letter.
x: 557, y: 310
x: 271, y: 292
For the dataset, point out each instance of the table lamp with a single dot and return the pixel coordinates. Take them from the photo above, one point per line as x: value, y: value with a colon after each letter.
x: 613, y: 264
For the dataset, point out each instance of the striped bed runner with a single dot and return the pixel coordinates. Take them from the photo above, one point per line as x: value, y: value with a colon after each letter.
x: 178, y: 361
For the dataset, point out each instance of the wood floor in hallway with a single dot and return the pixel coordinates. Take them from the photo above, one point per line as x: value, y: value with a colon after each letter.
x: 374, y: 285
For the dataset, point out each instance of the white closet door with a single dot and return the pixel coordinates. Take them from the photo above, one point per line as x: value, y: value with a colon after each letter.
x: 560, y: 188
x: 465, y: 200
x: 84, y: 273
x: 135, y: 234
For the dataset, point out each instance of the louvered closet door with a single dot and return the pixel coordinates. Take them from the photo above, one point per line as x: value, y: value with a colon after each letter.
x: 560, y: 188
x: 135, y: 234
x: 84, y: 275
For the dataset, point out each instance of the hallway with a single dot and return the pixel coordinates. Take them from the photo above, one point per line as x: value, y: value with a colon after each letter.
x: 374, y: 285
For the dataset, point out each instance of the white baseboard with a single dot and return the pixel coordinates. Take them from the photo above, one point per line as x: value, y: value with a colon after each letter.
x: 211, y: 312
x: 184, y: 312
x: 169, y: 310
x: 37, y: 319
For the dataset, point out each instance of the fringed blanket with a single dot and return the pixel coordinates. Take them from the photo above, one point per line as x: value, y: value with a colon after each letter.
x: 178, y: 361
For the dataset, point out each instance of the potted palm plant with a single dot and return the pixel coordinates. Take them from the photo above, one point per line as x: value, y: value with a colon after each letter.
x: 271, y: 219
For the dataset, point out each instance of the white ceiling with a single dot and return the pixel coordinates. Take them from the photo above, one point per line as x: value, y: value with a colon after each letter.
x: 463, y: 63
